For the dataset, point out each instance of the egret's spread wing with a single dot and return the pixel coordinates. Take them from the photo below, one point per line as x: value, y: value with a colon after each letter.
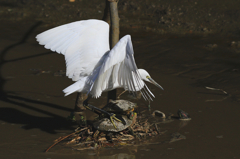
x: 82, y: 43
x: 117, y: 68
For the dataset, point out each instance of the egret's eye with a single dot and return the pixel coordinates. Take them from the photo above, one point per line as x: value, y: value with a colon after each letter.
x: 147, y: 77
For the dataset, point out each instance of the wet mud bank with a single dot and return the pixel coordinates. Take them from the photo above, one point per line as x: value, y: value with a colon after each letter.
x: 159, y: 16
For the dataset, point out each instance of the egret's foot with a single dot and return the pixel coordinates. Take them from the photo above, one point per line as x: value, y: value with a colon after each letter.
x: 113, y: 116
x: 82, y: 121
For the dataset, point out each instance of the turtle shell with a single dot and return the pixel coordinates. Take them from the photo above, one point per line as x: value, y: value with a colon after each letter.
x: 105, y: 124
x: 119, y: 106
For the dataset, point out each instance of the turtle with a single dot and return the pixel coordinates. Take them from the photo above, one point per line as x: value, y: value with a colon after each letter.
x: 105, y: 124
x: 183, y: 115
x: 122, y: 109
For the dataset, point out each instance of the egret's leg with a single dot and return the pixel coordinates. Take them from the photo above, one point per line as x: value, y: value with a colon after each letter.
x: 85, y: 102
x: 149, y: 106
x: 136, y: 95
x: 79, y: 102
x: 121, y: 94
x: 139, y: 95
x: 79, y: 108
x: 90, y: 107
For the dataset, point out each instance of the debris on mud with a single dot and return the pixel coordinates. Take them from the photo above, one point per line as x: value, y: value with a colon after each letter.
x: 104, y: 132
x: 90, y: 138
x: 235, y: 44
x: 60, y: 73
x: 216, y: 89
x: 38, y: 72
x: 211, y: 46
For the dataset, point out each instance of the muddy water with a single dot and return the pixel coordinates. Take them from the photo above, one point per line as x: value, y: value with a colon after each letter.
x: 33, y: 110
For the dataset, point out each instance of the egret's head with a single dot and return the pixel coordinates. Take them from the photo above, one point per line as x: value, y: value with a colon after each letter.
x: 146, y: 77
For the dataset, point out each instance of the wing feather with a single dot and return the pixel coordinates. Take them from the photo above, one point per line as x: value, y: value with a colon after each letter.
x: 117, y: 68
x: 83, y: 43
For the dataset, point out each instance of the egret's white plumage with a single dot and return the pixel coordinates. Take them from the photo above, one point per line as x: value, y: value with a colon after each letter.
x: 90, y: 62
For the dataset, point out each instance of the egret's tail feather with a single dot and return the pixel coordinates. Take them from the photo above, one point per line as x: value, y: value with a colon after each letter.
x: 75, y: 87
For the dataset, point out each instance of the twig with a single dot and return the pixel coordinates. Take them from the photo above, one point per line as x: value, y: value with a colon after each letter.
x: 156, y: 127
x: 216, y: 89
x: 65, y: 138
x: 121, y: 94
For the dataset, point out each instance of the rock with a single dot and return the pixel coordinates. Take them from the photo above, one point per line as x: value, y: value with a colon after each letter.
x: 211, y: 46
x: 235, y: 44
x: 158, y: 113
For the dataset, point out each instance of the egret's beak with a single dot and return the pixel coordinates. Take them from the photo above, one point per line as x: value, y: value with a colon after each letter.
x: 155, y: 83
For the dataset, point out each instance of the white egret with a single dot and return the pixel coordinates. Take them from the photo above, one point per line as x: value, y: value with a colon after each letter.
x: 91, y: 63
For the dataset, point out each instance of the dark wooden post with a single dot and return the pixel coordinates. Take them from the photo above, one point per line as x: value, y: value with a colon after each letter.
x: 106, y: 15
x: 111, y: 17
x: 114, y: 21
x: 114, y: 35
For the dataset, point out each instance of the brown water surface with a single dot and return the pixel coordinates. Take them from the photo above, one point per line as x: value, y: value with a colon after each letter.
x: 33, y: 110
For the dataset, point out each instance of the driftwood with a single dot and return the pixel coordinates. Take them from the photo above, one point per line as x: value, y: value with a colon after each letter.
x: 62, y: 138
